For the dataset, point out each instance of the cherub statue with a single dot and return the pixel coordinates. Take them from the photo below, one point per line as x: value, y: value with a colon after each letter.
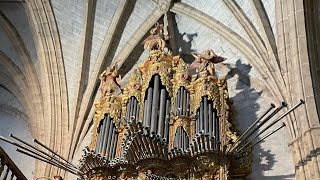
x: 204, y: 63
x: 157, y: 39
x: 110, y: 80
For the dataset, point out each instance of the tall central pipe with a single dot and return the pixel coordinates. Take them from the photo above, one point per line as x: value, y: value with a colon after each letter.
x: 201, y: 117
x: 145, y: 112
x: 210, y: 120
x: 149, y: 106
x: 181, y: 101
x: 110, y: 129
x: 205, y: 114
x: 111, y: 146
x: 105, y: 134
x: 155, y: 104
x: 166, y: 125
x: 162, y: 112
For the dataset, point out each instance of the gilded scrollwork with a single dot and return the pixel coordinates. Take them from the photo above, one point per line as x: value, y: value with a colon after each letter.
x: 133, y: 88
x: 203, y: 87
x: 175, y: 123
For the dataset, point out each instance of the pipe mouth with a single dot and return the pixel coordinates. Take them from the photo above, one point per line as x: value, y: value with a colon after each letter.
x: 302, y: 101
x: 272, y: 105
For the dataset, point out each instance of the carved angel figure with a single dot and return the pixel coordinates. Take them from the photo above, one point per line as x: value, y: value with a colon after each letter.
x: 110, y: 80
x: 157, y: 39
x: 205, y: 62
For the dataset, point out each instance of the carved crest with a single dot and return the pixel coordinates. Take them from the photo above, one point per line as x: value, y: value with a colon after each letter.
x: 157, y: 40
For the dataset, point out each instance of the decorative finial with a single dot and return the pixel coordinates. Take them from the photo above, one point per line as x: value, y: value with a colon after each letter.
x: 157, y: 40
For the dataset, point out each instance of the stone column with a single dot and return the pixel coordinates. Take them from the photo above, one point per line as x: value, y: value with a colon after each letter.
x: 296, y: 46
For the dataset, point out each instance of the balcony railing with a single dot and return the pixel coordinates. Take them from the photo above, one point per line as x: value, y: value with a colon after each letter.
x: 8, y: 170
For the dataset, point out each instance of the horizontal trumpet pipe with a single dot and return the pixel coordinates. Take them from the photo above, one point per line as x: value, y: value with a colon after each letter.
x: 47, y: 161
x: 263, y: 138
x: 253, y: 124
x: 37, y: 152
x: 275, y: 121
x: 283, y: 104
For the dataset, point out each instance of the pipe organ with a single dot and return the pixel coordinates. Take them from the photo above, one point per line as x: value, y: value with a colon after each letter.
x: 165, y: 123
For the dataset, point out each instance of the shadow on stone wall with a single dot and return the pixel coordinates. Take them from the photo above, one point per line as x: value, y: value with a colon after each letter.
x: 185, y: 45
x: 246, y: 109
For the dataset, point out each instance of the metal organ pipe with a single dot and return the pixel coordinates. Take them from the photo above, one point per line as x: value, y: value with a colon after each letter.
x: 162, y: 112
x: 184, y: 105
x: 131, y: 107
x: 149, y: 106
x: 99, y: 136
x: 178, y: 103
x: 188, y: 104
x: 210, y: 113
x: 145, y: 112
x: 215, y: 124
x: 205, y: 115
x: 105, y: 134
x: 198, y: 122
x: 127, y: 111
x: 111, y: 126
x: 137, y: 112
x: 181, y: 137
x: 181, y: 101
x: 217, y: 128
x: 134, y: 111
x: 167, y: 118
x: 110, y: 154
x: 201, y: 117
x: 178, y: 137
x: 155, y: 104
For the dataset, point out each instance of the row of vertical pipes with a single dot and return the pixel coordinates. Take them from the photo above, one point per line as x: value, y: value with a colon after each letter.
x: 207, y: 121
x: 182, y: 107
x: 107, y: 138
x: 132, y: 109
x: 181, y: 140
x: 157, y: 108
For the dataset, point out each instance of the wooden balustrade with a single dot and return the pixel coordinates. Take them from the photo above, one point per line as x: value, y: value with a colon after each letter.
x: 8, y: 170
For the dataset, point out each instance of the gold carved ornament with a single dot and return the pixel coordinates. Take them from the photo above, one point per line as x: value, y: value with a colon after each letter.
x: 132, y: 89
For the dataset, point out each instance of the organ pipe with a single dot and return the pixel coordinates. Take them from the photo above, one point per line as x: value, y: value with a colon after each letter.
x: 155, y: 104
